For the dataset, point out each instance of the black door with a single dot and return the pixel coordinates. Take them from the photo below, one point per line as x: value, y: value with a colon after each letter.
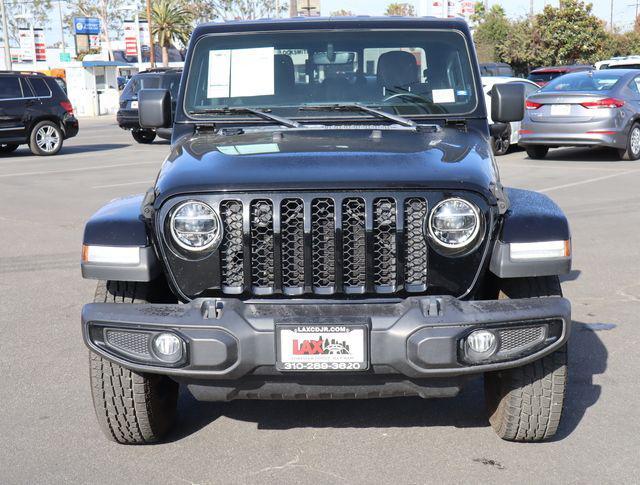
x: 12, y: 109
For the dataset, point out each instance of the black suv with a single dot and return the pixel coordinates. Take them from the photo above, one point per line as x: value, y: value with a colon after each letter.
x: 330, y: 224
x: 127, y: 117
x: 34, y: 110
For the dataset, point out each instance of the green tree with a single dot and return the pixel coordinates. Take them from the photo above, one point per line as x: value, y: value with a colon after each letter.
x: 492, y: 29
x: 342, y: 13
x: 243, y: 9
x: 34, y: 13
x: 171, y: 23
x: 402, y: 9
x: 518, y: 49
x: 569, y: 34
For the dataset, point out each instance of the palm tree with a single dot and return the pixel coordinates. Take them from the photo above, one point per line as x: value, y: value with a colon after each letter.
x: 171, y: 22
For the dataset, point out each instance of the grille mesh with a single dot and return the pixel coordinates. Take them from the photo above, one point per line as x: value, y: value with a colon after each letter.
x: 131, y: 342
x: 231, y: 246
x: 323, y: 242
x: 415, y: 212
x: 292, y: 229
x: 262, y: 244
x: 515, y: 338
x: 384, y: 242
x: 353, y: 242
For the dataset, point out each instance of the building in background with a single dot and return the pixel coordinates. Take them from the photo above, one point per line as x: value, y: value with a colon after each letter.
x: 447, y: 8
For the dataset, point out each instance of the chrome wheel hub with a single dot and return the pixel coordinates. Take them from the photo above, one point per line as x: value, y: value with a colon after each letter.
x: 635, y: 141
x: 47, y: 138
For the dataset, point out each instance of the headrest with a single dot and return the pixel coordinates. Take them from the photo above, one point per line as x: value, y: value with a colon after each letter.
x: 397, y: 68
x: 284, y: 73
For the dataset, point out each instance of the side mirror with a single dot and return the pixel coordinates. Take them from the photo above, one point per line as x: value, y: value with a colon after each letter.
x: 154, y: 108
x: 507, y: 102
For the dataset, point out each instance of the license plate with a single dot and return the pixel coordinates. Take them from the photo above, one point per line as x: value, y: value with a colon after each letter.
x: 134, y: 105
x: 560, y: 109
x: 321, y: 347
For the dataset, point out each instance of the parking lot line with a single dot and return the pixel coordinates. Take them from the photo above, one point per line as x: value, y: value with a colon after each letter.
x: 81, y: 169
x: 121, y: 185
x: 588, y: 181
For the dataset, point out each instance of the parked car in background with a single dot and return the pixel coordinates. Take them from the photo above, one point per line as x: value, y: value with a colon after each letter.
x: 127, y: 117
x: 496, y: 69
x: 605, y: 63
x: 511, y: 132
x: 543, y: 75
x: 34, y: 110
x: 592, y: 109
x: 631, y: 62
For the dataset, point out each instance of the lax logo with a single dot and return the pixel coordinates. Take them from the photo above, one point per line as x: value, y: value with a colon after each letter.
x: 320, y: 346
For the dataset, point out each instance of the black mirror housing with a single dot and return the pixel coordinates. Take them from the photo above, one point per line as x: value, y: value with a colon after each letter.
x: 154, y: 108
x: 507, y: 102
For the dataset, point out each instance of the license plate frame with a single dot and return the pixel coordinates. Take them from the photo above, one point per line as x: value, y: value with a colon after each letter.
x: 349, y: 351
x: 560, y: 110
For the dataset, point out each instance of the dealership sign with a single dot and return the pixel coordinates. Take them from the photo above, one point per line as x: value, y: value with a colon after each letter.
x: 86, y: 25
x: 27, y: 45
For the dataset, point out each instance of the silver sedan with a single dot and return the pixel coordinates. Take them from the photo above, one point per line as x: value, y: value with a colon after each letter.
x: 591, y: 109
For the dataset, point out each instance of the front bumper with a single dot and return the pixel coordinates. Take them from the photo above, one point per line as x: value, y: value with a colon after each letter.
x: 227, y: 339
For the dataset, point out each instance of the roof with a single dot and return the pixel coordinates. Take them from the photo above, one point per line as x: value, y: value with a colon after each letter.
x: 104, y: 63
x: 563, y: 68
x: 311, y: 23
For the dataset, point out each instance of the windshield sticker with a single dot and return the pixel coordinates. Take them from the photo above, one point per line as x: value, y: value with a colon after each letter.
x: 235, y: 73
x: 443, y: 96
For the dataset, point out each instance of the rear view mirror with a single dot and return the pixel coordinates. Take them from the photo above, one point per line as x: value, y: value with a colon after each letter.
x: 507, y: 102
x: 154, y: 108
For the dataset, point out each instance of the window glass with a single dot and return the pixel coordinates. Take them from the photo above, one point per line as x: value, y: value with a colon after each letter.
x: 584, y: 81
x: 529, y: 89
x: 40, y: 87
x: 413, y: 72
x: 10, y: 87
x: 171, y: 82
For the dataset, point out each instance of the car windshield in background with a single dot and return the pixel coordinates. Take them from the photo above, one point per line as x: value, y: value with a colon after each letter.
x: 407, y: 73
x: 584, y: 81
x: 543, y: 77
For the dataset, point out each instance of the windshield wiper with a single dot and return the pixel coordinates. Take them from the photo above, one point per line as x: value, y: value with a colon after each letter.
x: 261, y: 113
x: 360, y: 107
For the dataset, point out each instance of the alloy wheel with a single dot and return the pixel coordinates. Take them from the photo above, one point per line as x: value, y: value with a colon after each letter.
x: 634, y: 142
x: 48, y: 138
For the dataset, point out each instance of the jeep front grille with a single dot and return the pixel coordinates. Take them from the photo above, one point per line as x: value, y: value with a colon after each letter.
x: 352, y: 244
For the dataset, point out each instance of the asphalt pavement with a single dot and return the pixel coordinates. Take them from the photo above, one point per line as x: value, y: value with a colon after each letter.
x: 50, y: 435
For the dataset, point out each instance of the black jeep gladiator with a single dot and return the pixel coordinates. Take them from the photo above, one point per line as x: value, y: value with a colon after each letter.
x: 330, y: 224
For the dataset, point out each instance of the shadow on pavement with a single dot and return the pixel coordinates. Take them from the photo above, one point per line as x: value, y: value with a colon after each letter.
x: 69, y: 149
x: 582, y: 155
x: 587, y: 356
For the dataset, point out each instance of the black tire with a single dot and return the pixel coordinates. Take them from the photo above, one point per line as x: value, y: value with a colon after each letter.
x: 537, y: 152
x: 6, y: 148
x: 131, y: 408
x: 46, y: 138
x: 525, y: 403
x: 632, y: 152
x: 143, y: 136
x: 501, y: 144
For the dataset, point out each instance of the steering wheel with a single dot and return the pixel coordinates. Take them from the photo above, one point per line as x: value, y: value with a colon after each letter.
x: 416, y: 99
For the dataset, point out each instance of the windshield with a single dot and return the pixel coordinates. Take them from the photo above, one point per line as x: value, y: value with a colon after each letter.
x: 406, y: 73
x: 584, y: 81
x: 543, y: 77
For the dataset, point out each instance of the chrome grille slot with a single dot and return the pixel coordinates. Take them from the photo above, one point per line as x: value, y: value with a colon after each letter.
x: 292, y: 233
x: 231, y: 251
x: 384, y: 245
x: 262, y: 274
x: 323, y: 244
x: 353, y: 245
x: 415, y: 244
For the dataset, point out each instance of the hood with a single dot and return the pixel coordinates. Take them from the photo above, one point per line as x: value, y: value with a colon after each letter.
x: 318, y: 159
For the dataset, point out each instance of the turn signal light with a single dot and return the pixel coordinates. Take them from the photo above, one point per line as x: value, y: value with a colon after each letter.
x: 603, y: 103
x: 532, y: 104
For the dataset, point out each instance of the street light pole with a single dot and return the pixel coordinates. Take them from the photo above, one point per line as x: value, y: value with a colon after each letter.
x: 5, y: 34
x: 152, y: 53
x: 64, y: 47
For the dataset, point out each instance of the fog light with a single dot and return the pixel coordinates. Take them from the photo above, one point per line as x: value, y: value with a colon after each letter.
x: 168, y: 347
x: 481, y: 342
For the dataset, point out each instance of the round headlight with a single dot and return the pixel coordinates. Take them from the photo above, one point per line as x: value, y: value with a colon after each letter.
x: 454, y: 223
x: 195, y: 226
